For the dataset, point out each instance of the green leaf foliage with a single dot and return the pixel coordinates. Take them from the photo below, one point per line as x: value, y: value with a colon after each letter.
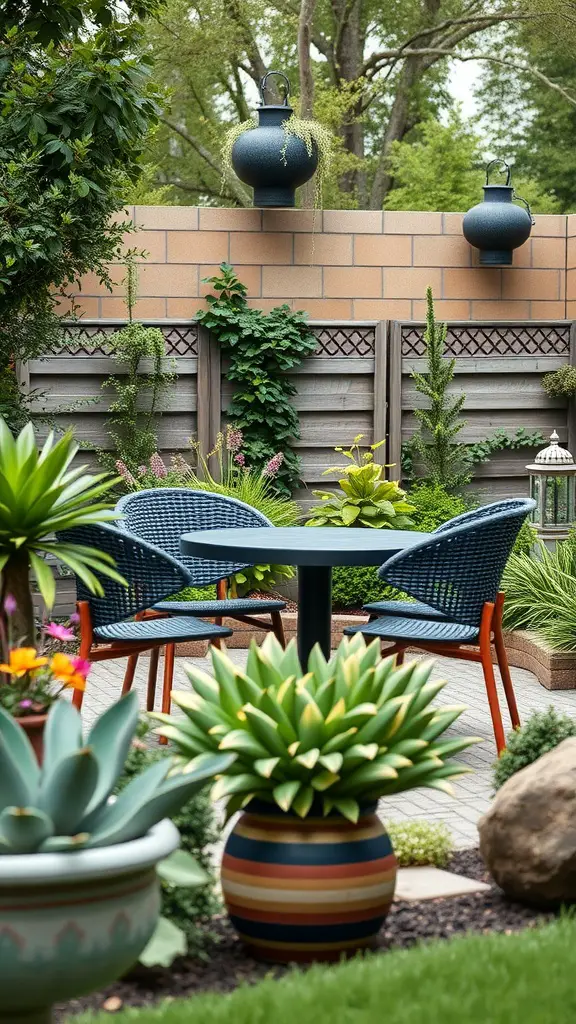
x: 41, y: 494
x: 541, y: 732
x: 434, y: 453
x: 420, y: 842
x: 77, y: 106
x: 65, y: 804
x: 345, y: 733
x: 355, y: 585
x: 540, y: 594
x: 366, y: 498
x: 261, y: 349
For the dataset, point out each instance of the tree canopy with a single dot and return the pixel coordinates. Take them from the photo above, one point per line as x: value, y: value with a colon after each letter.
x: 370, y: 69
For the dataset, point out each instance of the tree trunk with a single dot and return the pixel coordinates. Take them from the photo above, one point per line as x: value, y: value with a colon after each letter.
x: 307, y: 8
x: 395, y: 130
x: 16, y: 582
x: 349, y: 56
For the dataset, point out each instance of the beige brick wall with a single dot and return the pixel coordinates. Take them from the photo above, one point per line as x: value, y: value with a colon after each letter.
x: 341, y: 265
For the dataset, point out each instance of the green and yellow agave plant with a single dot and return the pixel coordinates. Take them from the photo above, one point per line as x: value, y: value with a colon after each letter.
x: 39, y: 495
x: 345, y: 733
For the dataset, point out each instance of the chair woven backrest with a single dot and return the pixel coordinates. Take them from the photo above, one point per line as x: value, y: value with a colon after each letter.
x: 477, y: 514
x: 161, y: 515
x: 457, y: 570
x: 151, y: 574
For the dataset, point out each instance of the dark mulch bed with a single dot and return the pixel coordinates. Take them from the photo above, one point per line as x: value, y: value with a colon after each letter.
x: 226, y: 965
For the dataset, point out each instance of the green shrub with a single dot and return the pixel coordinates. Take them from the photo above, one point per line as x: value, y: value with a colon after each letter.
x: 185, y: 907
x: 355, y: 585
x: 420, y: 842
x: 543, y: 731
x: 195, y: 594
x: 476, y: 979
x: 525, y: 540
x: 433, y: 505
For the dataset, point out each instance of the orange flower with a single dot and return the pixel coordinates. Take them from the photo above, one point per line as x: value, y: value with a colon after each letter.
x: 66, y: 672
x: 23, y: 660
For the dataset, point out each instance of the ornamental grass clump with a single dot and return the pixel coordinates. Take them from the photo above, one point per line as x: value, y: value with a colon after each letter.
x: 367, y: 498
x: 64, y: 805
x: 339, y: 736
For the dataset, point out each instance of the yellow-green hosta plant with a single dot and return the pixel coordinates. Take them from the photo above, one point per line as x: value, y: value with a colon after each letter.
x: 41, y: 494
x: 366, y: 498
x: 343, y: 734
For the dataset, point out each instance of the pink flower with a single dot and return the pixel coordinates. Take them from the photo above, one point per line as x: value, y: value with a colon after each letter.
x: 157, y: 466
x: 125, y: 473
x: 239, y: 459
x: 142, y: 470
x: 234, y: 439
x: 74, y: 619
x: 273, y: 465
x: 59, y: 632
x: 24, y: 703
x: 82, y: 665
x: 10, y: 604
x: 179, y: 465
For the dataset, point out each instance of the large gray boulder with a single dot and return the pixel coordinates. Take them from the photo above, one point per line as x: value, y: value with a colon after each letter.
x: 528, y: 837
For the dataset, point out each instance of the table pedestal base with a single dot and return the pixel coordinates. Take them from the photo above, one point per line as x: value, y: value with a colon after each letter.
x: 314, y: 610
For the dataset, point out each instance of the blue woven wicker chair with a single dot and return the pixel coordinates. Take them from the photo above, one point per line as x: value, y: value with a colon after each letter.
x: 116, y: 626
x: 457, y: 572
x: 161, y: 515
x: 416, y: 609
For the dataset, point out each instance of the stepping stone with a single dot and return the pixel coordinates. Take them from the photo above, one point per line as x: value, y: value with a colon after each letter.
x: 430, y: 883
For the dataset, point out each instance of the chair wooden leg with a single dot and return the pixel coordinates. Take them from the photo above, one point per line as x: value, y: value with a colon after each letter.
x: 489, y: 678
x: 169, y: 652
x: 504, y: 666
x: 129, y: 673
x: 401, y: 651
x: 152, y: 675
x: 278, y: 627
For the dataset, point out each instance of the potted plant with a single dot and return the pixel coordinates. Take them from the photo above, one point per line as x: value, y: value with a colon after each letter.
x: 40, y: 494
x: 279, y: 151
x: 35, y: 679
x: 79, y: 896
x: 308, y: 870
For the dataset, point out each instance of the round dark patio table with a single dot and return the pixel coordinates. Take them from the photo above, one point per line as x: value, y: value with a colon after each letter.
x: 315, y: 550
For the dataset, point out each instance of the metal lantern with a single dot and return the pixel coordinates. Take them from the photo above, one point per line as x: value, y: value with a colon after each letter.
x: 495, y: 226
x: 553, y: 487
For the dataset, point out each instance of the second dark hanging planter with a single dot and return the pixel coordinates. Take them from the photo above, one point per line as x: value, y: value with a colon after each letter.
x: 273, y: 161
x: 496, y: 226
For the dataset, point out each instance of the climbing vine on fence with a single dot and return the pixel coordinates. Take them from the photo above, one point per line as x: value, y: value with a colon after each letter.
x: 261, y: 348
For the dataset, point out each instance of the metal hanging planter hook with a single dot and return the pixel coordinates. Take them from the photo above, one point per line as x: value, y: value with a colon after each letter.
x: 264, y: 87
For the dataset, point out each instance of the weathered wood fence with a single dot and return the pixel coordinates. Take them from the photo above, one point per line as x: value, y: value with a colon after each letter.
x: 357, y: 381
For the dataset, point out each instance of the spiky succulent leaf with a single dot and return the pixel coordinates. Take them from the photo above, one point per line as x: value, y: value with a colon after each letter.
x: 18, y: 747
x: 23, y: 829
x: 350, y: 729
x: 66, y: 804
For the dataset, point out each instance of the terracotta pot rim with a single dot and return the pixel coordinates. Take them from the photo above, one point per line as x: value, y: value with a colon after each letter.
x: 82, y: 865
x: 32, y: 719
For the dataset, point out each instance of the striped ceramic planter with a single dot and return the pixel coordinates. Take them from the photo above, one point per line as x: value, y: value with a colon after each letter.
x: 312, y: 889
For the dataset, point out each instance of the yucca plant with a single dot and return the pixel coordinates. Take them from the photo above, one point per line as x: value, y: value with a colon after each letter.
x: 64, y: 805
x: 343, y: 734
x: 39, y: 494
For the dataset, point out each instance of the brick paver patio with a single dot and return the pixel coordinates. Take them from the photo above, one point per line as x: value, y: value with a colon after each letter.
x: 464, y: 686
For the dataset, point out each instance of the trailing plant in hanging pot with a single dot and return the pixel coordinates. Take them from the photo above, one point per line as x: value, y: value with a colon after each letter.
x: 279, y: 151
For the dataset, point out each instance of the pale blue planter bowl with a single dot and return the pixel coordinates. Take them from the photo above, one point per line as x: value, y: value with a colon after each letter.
x: 71, y: 923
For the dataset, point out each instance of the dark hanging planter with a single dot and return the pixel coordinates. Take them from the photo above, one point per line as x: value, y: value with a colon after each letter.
x: 274, y: 162
x: 495, y: 226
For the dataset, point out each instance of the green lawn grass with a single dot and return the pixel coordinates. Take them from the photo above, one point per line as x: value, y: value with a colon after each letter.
x: 527, y: 978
